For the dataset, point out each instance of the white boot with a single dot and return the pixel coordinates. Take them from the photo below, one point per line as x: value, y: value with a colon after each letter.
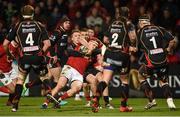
x: 170, y: 103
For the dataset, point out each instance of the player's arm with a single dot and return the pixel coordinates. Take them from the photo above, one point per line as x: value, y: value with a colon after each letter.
x: 132, y: 37
x: 45, y: 40
x: 170, y: 39
x: 10, y: 37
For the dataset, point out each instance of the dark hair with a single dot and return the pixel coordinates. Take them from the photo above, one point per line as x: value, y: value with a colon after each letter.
x: 145, y: 17
x: 124, y: 11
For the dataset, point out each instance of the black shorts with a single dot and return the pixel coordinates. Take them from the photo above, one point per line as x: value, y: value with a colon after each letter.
x: 158, y: 73
x: 90, y: 70
x: 117, y: 60
x: 37, y: 63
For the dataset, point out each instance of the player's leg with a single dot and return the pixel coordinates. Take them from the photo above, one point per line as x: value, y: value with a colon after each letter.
x: 125, y: 93
x: 105, y: 93
x: 19, y: 87
x: 145, y: 87
x: 55, y: 74
x: 93, y: 81
x: 86, y: 90
x: 163, y: 83
x: 107, y: 75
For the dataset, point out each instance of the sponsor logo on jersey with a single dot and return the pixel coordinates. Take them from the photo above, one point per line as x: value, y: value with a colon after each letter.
x: 156, y: 51
x: 31, y: 48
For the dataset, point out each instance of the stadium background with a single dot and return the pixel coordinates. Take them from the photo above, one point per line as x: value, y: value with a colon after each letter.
x: 97, y: 14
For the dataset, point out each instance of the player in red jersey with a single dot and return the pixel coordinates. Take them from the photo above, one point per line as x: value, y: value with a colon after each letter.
x: 74, y: 69
x: 8, y: 74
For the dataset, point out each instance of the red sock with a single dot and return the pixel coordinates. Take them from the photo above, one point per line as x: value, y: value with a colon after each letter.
x: 64, y: 96
x: 88, y: 98
x: 5, y: 90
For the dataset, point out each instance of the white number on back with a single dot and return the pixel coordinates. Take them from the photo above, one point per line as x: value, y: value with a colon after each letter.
x: 29, y: 39
x: 115, y: 37
x: 154, y: 42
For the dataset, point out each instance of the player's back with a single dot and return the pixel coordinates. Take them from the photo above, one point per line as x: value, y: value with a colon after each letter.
x: 29, y: 35
x: 118, y: 33
x: 152, y: 42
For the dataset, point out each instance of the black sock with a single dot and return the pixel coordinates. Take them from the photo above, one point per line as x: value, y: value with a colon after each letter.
x: 167, y: 91
x: 125, y: 94
x: 11, y: 96
x: 106, y: 99
x: 33, y: 83
x: 18, y: 91
x: 147, y: 90
x: 54, y: 84
x: 47, y: 84
x: 101, y: 86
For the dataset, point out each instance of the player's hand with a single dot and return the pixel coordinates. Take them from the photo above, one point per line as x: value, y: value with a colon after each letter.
x: 92, y: 45
x: 169, y: 51
x: 132, y: 49
x: 104, y: 64
x: 10, y: 59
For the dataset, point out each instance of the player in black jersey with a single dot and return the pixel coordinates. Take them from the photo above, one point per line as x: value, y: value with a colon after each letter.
x: 156, y: 43
x: 119, y: 37
x: 33, y: 41
x: 57, y: 53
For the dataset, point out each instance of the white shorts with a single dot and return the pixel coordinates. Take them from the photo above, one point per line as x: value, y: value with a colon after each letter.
x: 9, y: 76
x: 71, y: 74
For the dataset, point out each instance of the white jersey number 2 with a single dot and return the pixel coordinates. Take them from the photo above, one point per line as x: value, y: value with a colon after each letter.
x: 115, y: 37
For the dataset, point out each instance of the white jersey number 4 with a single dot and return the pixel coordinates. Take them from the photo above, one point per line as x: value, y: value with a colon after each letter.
x: 29, y: 39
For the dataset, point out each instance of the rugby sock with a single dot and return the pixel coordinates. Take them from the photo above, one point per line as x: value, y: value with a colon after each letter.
x: 4, y: 90
x: 167, y: 91
x: 96, y: 98
x: 47, y: 84
x: 147, y: 90
x: 33, y: 83
x: 64, y: 96
x: 54, y: 84
x: 18, y: 91
x: 125, y: 94
x: 11, y: 96
x: 88, y: 98
x: 106, y: 99
x: 101, y: 86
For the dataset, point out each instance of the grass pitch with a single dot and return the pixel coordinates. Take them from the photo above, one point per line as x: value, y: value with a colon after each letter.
x: 30, y: 106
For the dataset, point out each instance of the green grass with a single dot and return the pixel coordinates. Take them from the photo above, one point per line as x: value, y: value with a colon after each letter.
x: 30, y: 106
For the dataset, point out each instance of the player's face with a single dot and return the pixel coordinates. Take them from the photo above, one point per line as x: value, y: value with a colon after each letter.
x: 75, y: 37
x: 91, y: 33
x: 67, y: 25
x: 84, y: 34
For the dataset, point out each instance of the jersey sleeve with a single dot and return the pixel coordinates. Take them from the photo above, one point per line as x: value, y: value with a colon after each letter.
x: 11, y: 34
x: 167, y: 35
x: 54, y: 38
x: 44, y: 34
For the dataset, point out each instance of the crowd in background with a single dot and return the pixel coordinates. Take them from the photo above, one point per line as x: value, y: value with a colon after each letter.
x: 96, y: 14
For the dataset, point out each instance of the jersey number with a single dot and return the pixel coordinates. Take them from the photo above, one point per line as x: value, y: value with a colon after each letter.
x: 154, y: 42
x: 29, y: 39
x: 115, y: 37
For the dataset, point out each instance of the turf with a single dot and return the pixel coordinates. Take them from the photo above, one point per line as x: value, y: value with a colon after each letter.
x: 30, y: 106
